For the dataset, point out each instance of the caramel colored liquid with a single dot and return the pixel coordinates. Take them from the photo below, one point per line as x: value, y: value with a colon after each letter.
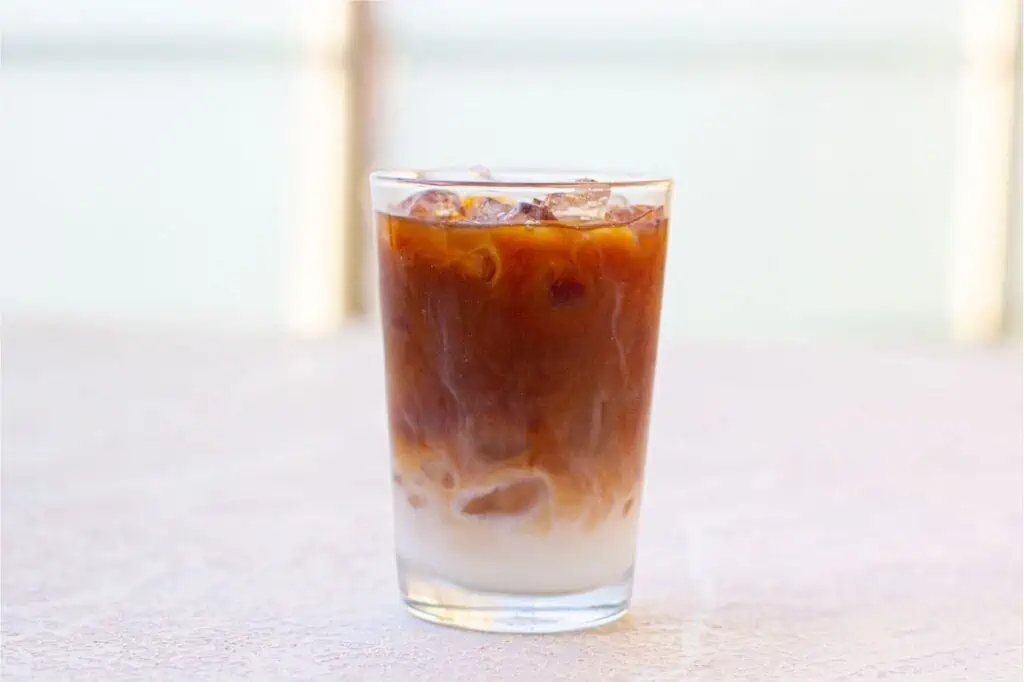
x: 527, y: 352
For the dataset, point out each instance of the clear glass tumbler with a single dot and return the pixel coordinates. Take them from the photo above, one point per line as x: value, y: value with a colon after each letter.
x: 520, y: 318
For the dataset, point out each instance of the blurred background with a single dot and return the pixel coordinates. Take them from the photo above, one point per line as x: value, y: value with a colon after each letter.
x: 847, y: 171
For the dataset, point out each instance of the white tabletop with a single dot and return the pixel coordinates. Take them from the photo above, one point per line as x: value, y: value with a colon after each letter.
x: 215, y: 507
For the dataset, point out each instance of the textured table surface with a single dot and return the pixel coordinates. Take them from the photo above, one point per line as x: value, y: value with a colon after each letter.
x: 215, y: 507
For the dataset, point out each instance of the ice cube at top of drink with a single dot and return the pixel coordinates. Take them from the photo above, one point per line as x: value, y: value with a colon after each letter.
x: 635, y: 215
x: 432, y: 204
x: 586, y: 201
x: 585, y: 206
x: 483, y: 209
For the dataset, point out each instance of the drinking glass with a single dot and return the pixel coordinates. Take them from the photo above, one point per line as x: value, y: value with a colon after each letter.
x: 520, y: 316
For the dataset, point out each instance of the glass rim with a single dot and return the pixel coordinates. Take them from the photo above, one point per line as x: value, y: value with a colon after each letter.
x: 444, y: 177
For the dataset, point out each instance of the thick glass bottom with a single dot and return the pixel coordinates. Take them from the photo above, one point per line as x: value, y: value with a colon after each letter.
x: 438, y: 601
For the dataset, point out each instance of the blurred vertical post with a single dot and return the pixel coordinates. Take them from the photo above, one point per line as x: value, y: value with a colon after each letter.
x: 984, y: 160
x: 328, y: 256
x: 1014, y: 321
x: 360, y: 63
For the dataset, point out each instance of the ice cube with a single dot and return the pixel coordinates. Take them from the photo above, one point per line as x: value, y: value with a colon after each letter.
x: 432, y: 204
x: 482, y: 263
x: 635, y: 215
x: 616, y: 201
x: 514, y: 498
x: 587, y: 200
x: 486, y: 209
x: 527, y: 212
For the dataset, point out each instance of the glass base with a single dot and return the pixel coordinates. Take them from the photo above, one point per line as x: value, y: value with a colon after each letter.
x: 438, y: 601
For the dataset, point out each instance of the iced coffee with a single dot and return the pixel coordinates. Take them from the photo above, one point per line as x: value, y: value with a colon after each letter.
x: 520, y: 328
